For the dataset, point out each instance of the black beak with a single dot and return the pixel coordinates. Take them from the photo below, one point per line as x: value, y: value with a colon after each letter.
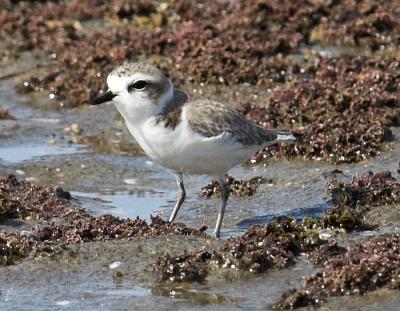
x: 103, y: 98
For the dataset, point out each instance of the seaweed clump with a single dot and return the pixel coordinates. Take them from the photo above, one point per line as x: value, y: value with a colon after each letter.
x: 369, y: 189
x: 262, y: 247
x: 325, y: 251
x: 6, y: 115
x: 366, y: 23
x: 241, y: 188
x: 108, y: 227
x: 52, y: 23
x: 24, y: 200
x: 20, y: 199
x: 340, y: 109
x: 14, y: 247
x: 352, y: 200
x: 242, y: 53
x: 50, y: 239
x: 273, y: 245
x: 250, y: 41
x: 363, y: 268
x: 184, y: 268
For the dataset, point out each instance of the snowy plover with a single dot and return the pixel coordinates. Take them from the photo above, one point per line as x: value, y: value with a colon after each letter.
x: 198, y: 136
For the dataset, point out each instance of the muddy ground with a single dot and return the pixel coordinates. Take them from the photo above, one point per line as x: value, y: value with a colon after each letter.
x: 311, y: 224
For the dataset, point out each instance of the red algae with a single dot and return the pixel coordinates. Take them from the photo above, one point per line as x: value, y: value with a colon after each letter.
x: 24, y: 200
x: 340, y: 111
x: 368, y: 189
x: 242, y: 188
x: 243, y: 37
x: 363, y: 268
x: 52, y: 238
x: 352, y: 200
x: 6, y: 115
x: 184, y: 268
x: 277, y: 244
x: 270, y: 246
x: 108, y: 227
x: 14, y: 247
x: 20, y: 199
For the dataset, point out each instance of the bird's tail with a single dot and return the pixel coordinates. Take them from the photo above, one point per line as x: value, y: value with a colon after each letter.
x: 285, y: 136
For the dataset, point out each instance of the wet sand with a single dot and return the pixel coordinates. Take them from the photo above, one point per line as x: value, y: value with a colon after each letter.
x: 50, y: 137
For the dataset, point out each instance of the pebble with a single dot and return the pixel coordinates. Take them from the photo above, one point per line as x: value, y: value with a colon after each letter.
x: 63, y: 303
x: 130, y: 181
x: 32, y: 179
x: 115, y: 265
x: 325, y: 234
x: 76, y: 128
x: 46, y: 121
x: 26, y: 232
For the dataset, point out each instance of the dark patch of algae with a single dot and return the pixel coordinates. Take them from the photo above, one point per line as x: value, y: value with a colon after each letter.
x: 364, y: 267
x: 21, y: 199
x: 341, y: 109
x: 262, y: 247
x: 351, y: 201
x: 240, y: 188
x: 6, y: 115
x: 24, y: 200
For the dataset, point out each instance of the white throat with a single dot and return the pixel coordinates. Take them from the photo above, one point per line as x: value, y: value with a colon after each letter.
x: 140, y: 120
x: 139, y: 107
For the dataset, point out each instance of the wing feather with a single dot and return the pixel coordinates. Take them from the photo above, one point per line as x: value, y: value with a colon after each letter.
x: 210, y: 119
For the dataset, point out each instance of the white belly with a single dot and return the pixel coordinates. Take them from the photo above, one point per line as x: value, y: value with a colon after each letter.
x: 184, y: 151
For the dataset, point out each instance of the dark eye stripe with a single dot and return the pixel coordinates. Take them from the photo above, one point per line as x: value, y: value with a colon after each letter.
x: 138, y: 85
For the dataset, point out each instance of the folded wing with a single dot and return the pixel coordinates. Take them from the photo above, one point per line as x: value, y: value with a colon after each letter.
x: 211, y: 119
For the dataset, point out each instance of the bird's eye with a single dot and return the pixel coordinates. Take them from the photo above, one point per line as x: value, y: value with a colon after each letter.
x: 138, y: 85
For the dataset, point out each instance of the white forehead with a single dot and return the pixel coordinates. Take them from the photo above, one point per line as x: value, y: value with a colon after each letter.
x: 124, y: 75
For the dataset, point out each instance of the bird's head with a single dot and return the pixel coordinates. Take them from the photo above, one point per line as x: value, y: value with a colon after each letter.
x: 138, y: 91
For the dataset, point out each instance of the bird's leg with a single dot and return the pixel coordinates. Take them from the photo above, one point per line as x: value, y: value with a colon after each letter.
x: 181, y: 197
x: 224, y: 199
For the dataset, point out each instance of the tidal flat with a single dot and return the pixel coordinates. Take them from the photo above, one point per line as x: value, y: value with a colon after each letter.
x: 83, y: 210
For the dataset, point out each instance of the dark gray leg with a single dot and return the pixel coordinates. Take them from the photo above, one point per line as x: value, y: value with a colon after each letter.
x: 224, y: 199
x: 181, y: 196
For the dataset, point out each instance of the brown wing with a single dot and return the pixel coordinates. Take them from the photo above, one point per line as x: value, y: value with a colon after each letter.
x: 209, y: 119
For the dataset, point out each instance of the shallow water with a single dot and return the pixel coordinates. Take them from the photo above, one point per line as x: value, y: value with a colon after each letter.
x: 140, y: 204
x: 21, y: 153
x: 130, y: 185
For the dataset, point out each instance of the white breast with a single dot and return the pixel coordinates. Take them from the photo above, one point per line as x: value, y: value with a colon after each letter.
x: 158, y: 142
x: 182, y: 150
